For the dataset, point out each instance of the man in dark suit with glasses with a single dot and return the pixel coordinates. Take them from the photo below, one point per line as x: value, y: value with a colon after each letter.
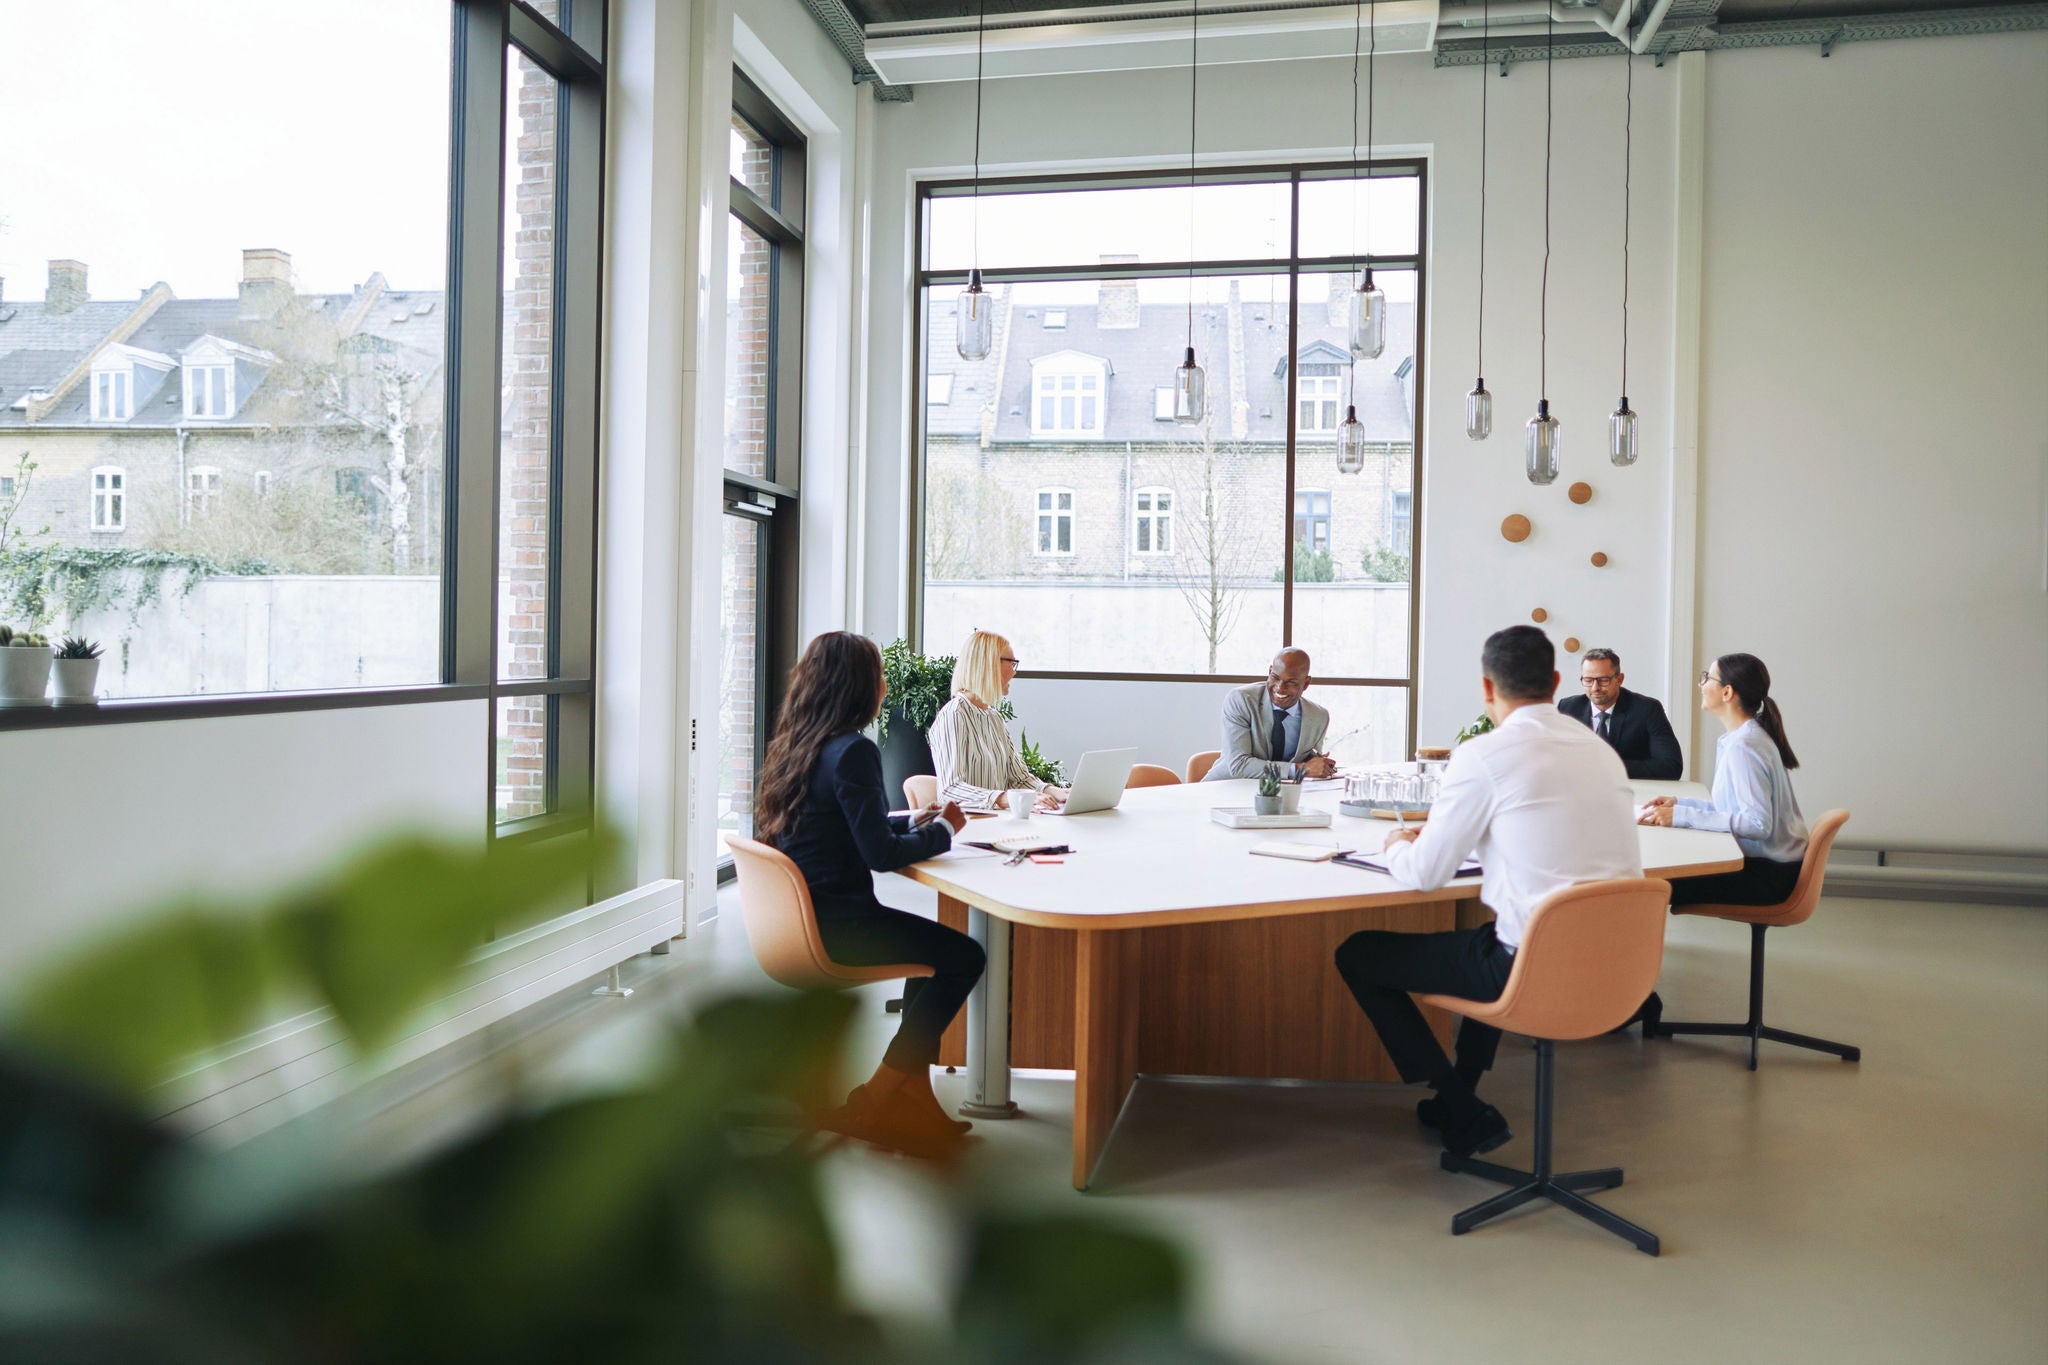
x: 1634, y: 724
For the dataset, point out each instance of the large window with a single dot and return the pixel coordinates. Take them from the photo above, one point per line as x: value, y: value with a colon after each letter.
x: 361, y: 456
x: 764, y: 272
x: 1239, y: 533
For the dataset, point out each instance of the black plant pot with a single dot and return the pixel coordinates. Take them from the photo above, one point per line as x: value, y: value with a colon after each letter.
x: 904, y: 754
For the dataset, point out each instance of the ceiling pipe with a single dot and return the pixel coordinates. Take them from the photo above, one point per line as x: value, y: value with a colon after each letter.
x: 1650, y: 27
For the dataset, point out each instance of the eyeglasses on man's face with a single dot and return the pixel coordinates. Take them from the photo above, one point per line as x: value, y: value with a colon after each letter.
x: 1601, y: 681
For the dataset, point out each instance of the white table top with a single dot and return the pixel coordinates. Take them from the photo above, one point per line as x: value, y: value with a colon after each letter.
x: 1159, y: 859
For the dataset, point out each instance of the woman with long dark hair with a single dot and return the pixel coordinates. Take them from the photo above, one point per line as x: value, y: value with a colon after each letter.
x: 822, y: 803
x: 1752, y: 798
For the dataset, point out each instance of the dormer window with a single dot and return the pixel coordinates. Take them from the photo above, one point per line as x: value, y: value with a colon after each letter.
x: 1319, y: 391
x: 113, y: 395
x: 209, y: 390
x: 1067, y: 395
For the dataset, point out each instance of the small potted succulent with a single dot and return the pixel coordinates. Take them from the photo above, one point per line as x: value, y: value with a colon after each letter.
x: 24, y: 667
x: 78, y: 672
x: 1268, y: 802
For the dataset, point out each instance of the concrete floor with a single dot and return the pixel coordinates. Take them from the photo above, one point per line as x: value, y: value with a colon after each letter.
x: 1813, y: 1211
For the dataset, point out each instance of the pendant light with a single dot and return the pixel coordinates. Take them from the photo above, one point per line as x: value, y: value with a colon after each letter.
x: 1351, y: 431
x: 1479, y: 403
x: 1621, y: 423
x: 974, y: 314
x: 1368, y: 304
x: 1539, y: 440
x: 1190, y: 399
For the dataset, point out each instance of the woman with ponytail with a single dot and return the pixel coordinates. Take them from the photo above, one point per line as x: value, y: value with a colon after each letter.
x: 1752, y: 791
x: 822, y: 803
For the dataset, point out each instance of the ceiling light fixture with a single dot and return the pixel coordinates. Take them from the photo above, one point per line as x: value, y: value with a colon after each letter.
x: 1479, y: 403
x: 1621, y: 423
x: 974, y: 313
x: 1351, y: 431
x: 1539, y: 442
x: 1368, y: 304
x: 1190, y: 400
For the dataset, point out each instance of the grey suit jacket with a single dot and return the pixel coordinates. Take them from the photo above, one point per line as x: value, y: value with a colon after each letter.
x: 1248, y: 733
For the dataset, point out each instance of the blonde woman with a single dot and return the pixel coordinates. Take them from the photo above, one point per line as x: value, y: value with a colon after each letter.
x: 977, y: 764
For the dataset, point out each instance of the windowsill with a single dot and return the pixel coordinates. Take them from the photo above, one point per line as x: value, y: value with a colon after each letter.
x: 125, y: 711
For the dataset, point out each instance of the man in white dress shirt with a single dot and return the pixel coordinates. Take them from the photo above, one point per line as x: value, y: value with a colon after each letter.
x: 1545, y: 804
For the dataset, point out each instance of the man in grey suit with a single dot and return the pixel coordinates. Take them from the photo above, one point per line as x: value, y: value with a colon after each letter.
x: 1271, y: 724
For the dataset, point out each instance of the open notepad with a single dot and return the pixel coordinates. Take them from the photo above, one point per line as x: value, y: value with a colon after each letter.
x: 1301, y: 850
x: 1469, y: 868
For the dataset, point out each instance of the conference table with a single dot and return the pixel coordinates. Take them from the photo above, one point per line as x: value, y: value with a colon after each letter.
x: 1161, y: 945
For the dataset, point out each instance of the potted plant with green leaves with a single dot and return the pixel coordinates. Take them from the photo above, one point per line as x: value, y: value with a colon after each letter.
x: 918, y: 688
x: 24, y: 667
x: 1476, y: 728
x: 1268, y: 800
x: 77, y: 668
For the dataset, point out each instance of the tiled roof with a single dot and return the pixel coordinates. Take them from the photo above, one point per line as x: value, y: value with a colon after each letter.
x: 1142, y: 359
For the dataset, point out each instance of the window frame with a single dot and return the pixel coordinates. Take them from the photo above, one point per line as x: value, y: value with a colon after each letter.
x: 198, y: 383
x: 1329, y: 389
x: 574, y: 52
x: 774, y: 502
x: 1288, y: 263
x: 202, y: 489
x: 108, y: 386
x: 1055, y: 514
x: 1077, y: 366
x: 1158, y: 518
x: 1315, y: 517
x: 114, y: 494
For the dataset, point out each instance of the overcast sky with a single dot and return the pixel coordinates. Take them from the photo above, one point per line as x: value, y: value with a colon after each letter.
x: 154, y: 139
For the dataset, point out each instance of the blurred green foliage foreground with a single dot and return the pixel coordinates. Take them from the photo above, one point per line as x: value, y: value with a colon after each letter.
x: 679, y: 1220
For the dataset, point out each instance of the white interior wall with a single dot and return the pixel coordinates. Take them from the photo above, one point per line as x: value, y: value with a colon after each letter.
x: 100, y: 824
x: 1874, y: 473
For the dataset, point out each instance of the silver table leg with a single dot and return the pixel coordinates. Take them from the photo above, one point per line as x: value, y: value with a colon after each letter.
x: 988, y: 1023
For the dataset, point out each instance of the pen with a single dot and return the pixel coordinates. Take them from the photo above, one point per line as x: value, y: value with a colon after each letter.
x: 1399, y: 817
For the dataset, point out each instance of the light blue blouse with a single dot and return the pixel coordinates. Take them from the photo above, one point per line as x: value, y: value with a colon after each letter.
x: 1752, y: 798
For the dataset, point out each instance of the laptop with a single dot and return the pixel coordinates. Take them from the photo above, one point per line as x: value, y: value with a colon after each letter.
x: 1098, y: 782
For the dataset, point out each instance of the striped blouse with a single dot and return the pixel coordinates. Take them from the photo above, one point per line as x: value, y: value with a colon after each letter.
x: 971, y: 748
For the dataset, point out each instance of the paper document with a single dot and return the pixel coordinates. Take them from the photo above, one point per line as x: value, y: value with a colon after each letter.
x: 1469, y: 868
x: 964, y: 852
x: 1298, y: 849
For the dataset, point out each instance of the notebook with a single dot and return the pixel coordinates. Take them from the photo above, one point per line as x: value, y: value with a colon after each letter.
x: 1469, y: 868
x: 1298, y: 849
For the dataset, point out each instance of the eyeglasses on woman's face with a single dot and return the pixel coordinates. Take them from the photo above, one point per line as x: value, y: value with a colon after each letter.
x: 1014, y: 663
x: 1707, y: 675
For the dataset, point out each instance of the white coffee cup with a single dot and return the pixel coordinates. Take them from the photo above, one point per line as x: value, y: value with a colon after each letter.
x: 1021, y: 802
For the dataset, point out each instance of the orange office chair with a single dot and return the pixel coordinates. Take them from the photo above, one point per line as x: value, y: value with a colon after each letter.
x: 1588, y: 957
x: 1152, y: 775
x: 1199, y: 764
x: 919, y: 792
x: 782, y: 926
x: 1797, y: 909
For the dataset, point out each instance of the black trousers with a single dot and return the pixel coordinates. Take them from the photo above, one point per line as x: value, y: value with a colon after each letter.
x: 1382, y: 967
x: 879, y: 936
x: 1762, y: 881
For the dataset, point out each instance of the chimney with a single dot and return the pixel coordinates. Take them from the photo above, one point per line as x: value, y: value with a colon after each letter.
x: 266, y: 281
x: 1340, y: 300
x: 1116, y: 303
x: 67, y: 287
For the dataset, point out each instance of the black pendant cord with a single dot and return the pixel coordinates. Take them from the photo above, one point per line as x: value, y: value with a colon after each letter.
x: 1485, y: 73
x: 980, y: 28
x: 1194, y: 78
x: 1371, y: 55
x: 1543, y: 316
x: 1628, y: 127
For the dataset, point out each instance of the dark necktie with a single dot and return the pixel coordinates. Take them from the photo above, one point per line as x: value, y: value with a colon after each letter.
x: 1600, y: 725
x: 1280, y: 734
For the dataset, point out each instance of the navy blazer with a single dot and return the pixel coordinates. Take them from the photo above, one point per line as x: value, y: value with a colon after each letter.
x: 1639, y: 731
x: 843, y: 833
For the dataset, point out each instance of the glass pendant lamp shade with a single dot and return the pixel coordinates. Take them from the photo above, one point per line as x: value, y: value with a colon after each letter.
x: 1189, y: 397
x: 1368, y: 320
x: 1621, y: 434
x: 975, y: 318
x: 1479, y: 412
x: 1350, y: 443
x: 1539, y: 445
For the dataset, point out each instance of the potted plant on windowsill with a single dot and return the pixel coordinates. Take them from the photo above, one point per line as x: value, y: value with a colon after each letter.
x: 77, y: 667
x: 918, y: 687
x: 1268, y: 800
x: 24, y: 667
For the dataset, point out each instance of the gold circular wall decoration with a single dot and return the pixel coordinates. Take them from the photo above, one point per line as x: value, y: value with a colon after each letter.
x: 1580, y: 493
x: 1599, y: 559
x: 1515, y: 528
x: 1539, y: 616
x: 1571, y: 644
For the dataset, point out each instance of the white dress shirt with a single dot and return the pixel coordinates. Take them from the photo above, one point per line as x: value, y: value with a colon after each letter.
x: 1752, y: 798
x: 1544, y: 803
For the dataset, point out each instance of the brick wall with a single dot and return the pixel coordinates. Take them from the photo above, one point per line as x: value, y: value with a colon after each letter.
x: 525, y: 448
